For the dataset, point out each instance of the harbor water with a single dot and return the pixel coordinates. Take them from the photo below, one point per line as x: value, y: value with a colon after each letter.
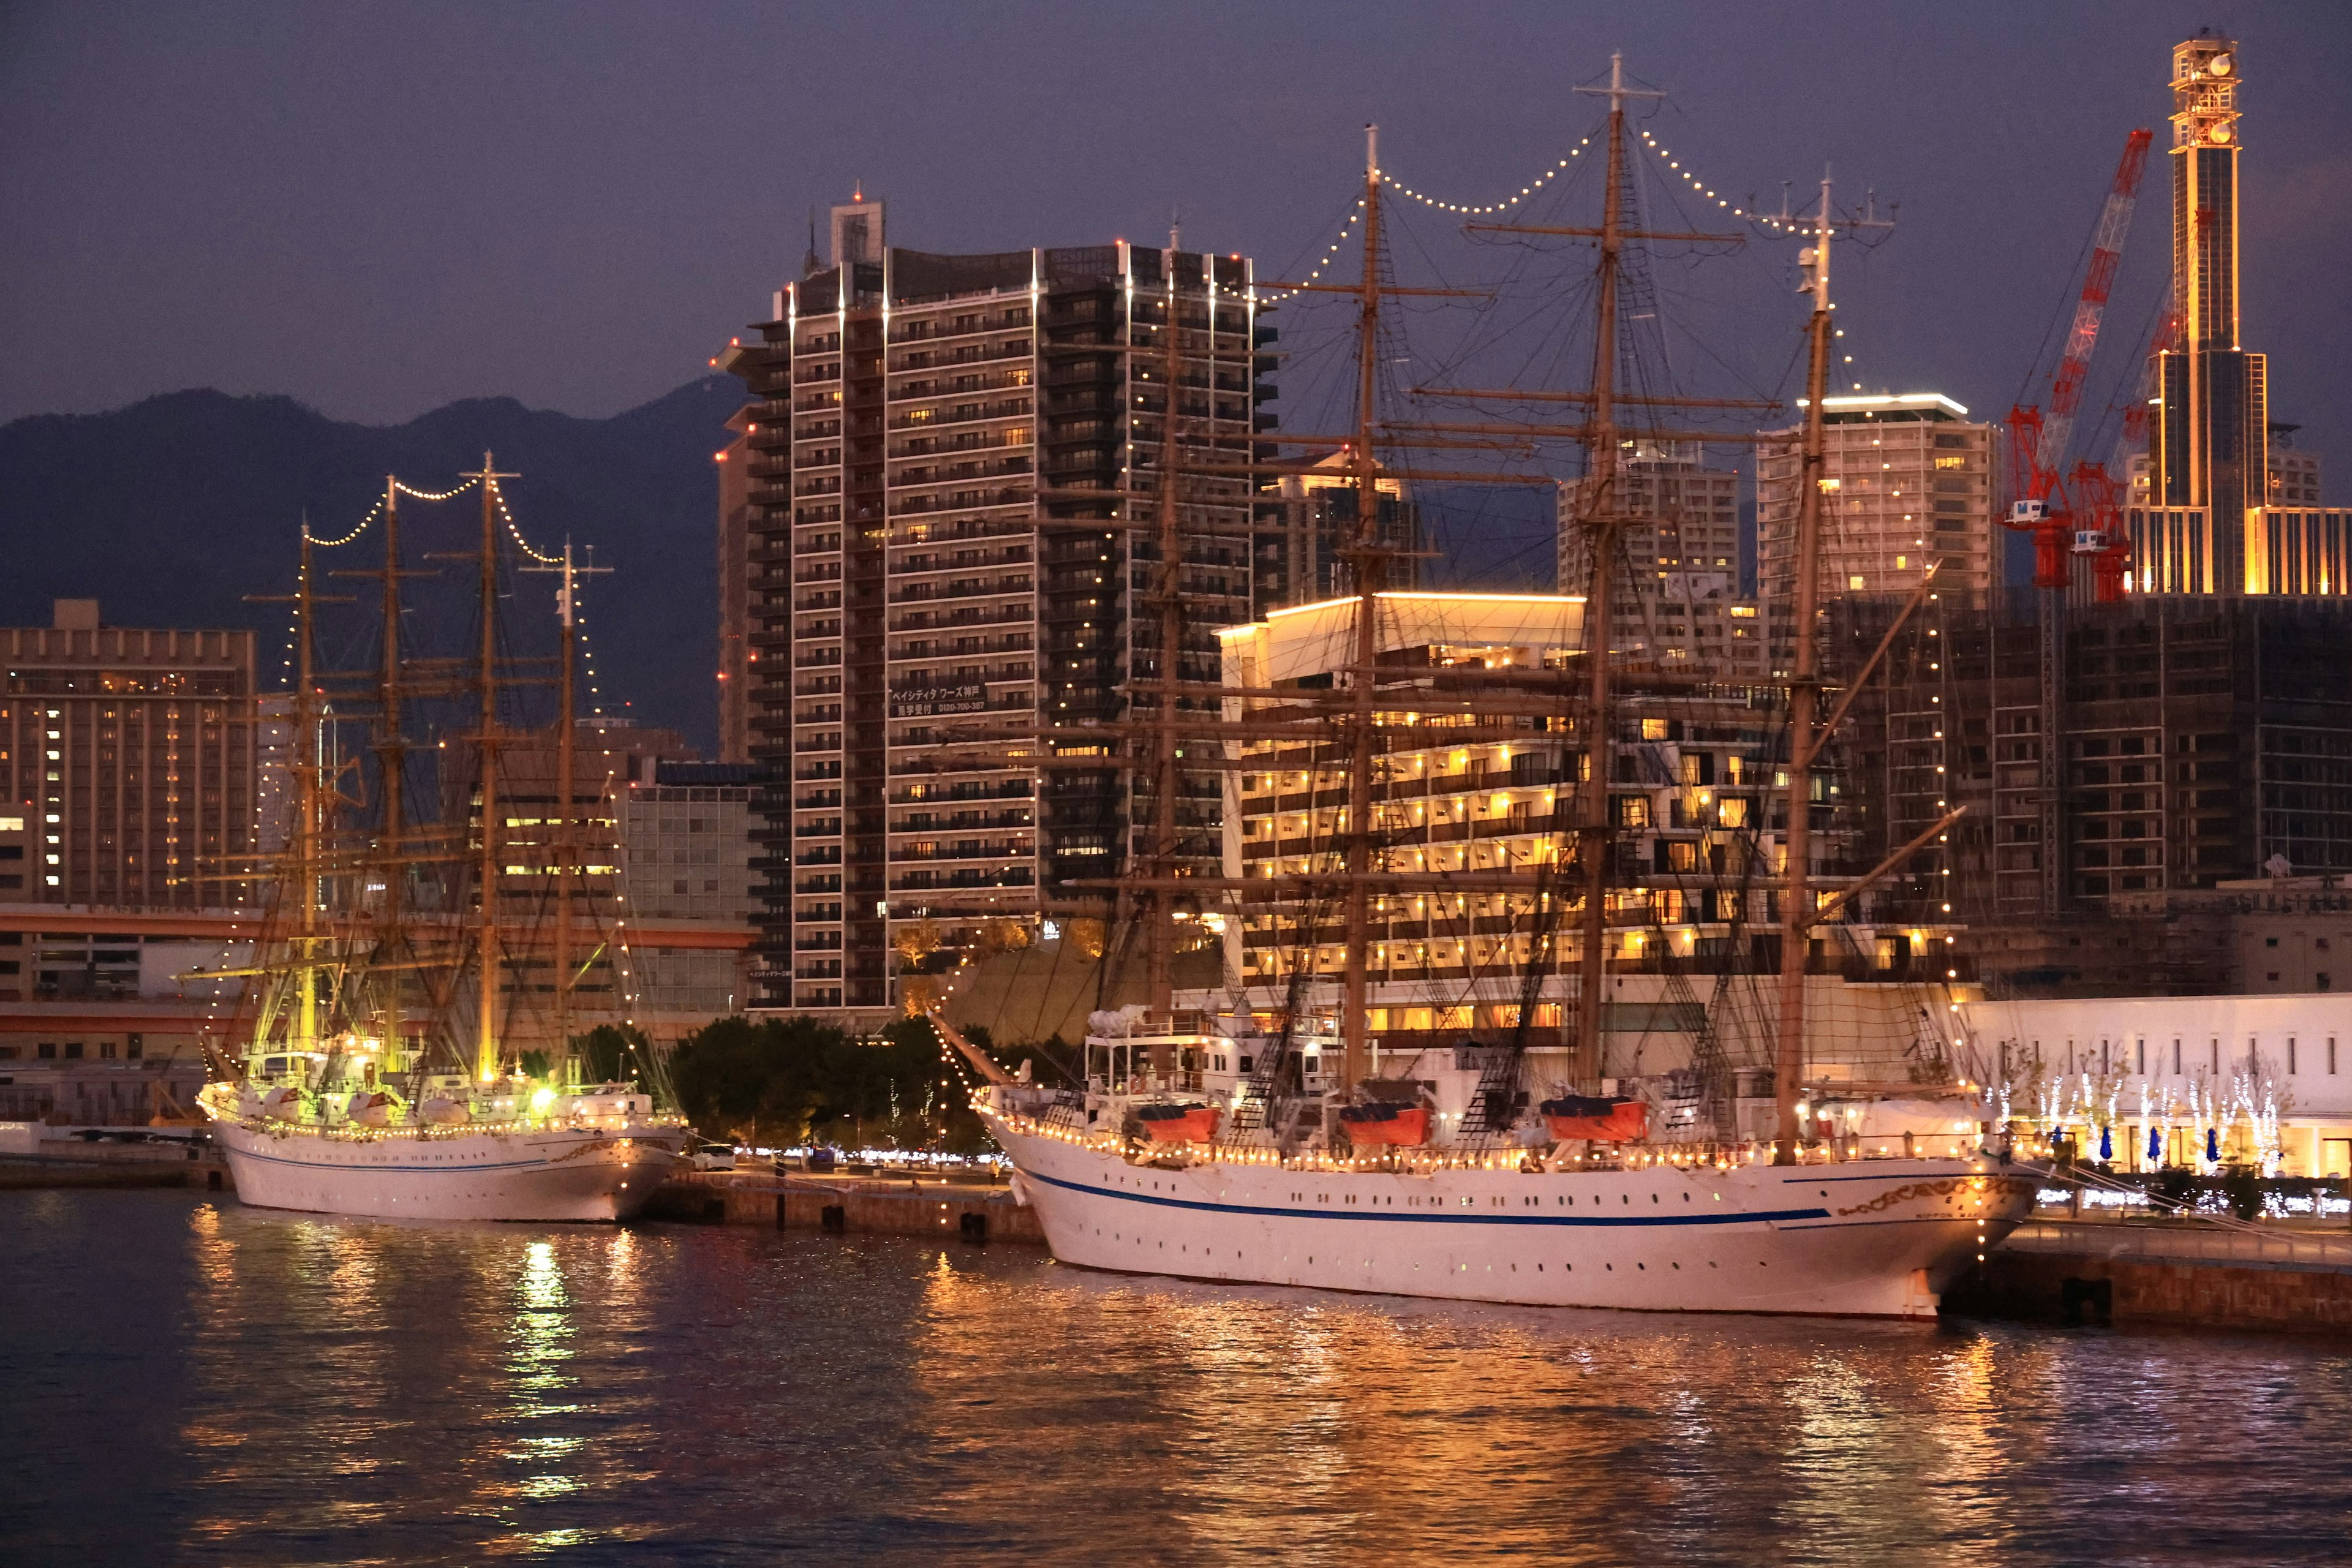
x: 190, y: 1382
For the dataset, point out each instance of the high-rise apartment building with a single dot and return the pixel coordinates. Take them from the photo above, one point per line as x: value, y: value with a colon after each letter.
x: 1908, y: 482
x: 2216, y: 515
x: 1680, y: 600
x: 735, y: 657
x: 951, y: 464
x: 131, y: 764
x: 1300, y: 559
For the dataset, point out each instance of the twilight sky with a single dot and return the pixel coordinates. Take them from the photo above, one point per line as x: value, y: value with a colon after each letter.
x: 380, y: 208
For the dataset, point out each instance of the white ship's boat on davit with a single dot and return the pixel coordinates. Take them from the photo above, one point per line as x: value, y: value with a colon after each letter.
x: 378, y: 1064
x: 1267, y: 1137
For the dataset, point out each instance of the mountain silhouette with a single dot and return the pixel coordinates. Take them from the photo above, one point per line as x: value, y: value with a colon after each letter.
x: 170, y: 512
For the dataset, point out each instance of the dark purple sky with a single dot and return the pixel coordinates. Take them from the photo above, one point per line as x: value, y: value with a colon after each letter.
x: 380, y: 208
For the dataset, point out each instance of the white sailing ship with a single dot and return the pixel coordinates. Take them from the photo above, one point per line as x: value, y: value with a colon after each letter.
x: 1215, y: 1145
x: 356, y: 1090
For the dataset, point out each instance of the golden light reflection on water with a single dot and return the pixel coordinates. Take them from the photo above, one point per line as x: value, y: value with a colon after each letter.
x: 357, y: 1392
x: 1380, y: 1417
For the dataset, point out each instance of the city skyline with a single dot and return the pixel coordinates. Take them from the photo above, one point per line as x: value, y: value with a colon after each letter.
x: 443, y: 244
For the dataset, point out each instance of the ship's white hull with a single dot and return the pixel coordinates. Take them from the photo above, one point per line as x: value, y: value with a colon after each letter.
x: 1873, y: 1238
x: 525, y: 1174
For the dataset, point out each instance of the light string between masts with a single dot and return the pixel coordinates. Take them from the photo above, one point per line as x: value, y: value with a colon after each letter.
x: 1699, y: 187
x: 579, y: 621
x: 1315, y: 272
x: 1483, y: 209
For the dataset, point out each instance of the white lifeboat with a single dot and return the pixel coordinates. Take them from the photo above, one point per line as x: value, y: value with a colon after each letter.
x: 440, y: 1111
x: 370, y: 1108
x: 283, y: 1103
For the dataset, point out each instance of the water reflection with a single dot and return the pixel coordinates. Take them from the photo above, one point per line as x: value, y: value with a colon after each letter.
x: 344, y: 1392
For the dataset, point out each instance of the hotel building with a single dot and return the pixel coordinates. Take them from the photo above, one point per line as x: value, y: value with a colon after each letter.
x: 1691, y: 797
x: 130, y: 761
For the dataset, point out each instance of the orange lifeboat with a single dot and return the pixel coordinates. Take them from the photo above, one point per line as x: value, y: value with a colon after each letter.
x: 1178, y: 1123
x: 1602, y: 1119
x: 1400, y: 1126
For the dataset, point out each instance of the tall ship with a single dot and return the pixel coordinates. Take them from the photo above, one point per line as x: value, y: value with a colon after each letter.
x: 1288, y: 1129
x: 405, y: 1042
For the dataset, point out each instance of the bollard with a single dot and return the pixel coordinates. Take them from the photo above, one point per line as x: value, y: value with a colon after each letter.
x: 834, y: 1217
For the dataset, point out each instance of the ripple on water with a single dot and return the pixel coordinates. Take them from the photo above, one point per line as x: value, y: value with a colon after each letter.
x: 190, y: 1382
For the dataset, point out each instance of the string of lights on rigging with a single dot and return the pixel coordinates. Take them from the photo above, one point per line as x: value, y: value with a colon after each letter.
x: 1505, y: 204
x: 1316, y: 270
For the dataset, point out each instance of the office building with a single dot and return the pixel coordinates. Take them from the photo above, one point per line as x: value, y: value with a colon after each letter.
x: 945, y: 461
x: 1909, y: 481
x: 130, y: 764
x: 2217, y: 515
x: 685, y: 869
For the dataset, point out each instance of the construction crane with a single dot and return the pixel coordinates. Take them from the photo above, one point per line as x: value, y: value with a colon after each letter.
x: 2037, y: 447
x: 2038, y: 443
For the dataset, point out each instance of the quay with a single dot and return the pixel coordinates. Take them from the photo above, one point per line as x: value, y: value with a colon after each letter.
x: 33, y: 1156
x: 881, y: 1206
x: 2164, y: 1274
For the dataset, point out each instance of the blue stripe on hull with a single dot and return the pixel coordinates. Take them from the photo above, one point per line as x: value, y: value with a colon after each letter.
x: 412, y: 1170
x: 1391, y: 1217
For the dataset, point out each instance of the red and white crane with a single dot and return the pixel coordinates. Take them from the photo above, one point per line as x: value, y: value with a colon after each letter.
x: 2038, y: 443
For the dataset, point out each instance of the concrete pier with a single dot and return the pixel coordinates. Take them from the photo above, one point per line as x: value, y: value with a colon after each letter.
x: 73, y: 1164
x: 877, y: 1205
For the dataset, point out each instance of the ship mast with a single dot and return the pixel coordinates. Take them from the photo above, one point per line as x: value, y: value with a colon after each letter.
x: 1601, y: 520
x: 1369, y: 566
x: 306, y: 766
x: 565, y: 848
x: 1797, y: 914
x: 392, y: 755
x: 486, y: 1036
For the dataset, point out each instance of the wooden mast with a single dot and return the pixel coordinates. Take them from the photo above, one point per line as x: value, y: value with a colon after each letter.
x: 1595, y: 835
x: 486, y: 1036
x: 391, y: 757
x: 566, y: 853
x: 308, y: 768
x: 1796, y: 915
x: 564, y: 849
x: 1368, y: 565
